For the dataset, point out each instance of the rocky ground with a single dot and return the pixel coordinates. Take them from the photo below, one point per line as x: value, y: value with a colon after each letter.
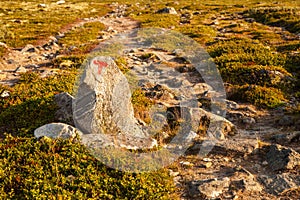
x: 257, y: 158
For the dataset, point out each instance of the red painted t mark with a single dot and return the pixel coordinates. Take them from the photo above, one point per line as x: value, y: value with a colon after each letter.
x: 100, y: 64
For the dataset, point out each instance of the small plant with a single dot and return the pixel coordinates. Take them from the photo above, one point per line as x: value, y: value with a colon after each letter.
x: 141, y: 105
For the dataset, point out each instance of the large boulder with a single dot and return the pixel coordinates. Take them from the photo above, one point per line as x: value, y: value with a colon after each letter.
x: 103, y: 108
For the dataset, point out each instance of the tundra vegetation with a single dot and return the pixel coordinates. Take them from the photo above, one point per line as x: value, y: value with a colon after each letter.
x: 259, y: 66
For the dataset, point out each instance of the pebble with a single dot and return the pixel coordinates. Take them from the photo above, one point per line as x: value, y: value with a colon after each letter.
x: 249, y: 120
x: 207, y: 159
x: 4, y: 94
x: 42, y: 5
x: 208, y: 164
x: 60, y: 2
x: 20, y: 70
x: 28, y: 48
x: 265, y: 163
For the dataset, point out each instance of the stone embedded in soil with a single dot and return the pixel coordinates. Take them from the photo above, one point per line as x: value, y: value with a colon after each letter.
x: 21, y: 70
x: 278, y: 183
x: 57, y: 130
x: 64, y: 102
x: 286, y: 138
x: 281, y: 158
x: 168, y: 10
x: 214, y: 188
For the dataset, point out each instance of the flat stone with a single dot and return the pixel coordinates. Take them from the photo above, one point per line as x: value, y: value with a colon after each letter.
x: 57, y: 130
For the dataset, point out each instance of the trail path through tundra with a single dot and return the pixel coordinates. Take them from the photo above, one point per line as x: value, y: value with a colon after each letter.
x: 236, y: 168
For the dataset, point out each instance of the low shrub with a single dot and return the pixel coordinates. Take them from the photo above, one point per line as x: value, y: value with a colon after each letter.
x: 266, y: 97
x: 61, y: 169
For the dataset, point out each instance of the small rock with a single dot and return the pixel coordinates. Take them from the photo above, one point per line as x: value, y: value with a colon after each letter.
x: 208, y: 164
x: 186, y: 163
x: 20, y: 70
x: 232, y: 105
x: 57, y: 130
x: 265, y: 163
x: 10, y: 61
x: 169, y: 10
x: 64, y: 113
x: 178, y: 52
x: 287, y: 138
x: 248, y: 183
x: 207, y: 159
x: 28, y: 48
x: 2, y: 44
x: 5, y: 94
x: 286, y: 121
x: 42, y: 5
x: 172, y: 173
x: 250, y: 20
x: 60, y: 2
x: 280, y: 158
x: 278, y: 183
x: 53, y: 39
x: 214, y: 188
x: 31, y: 66
x: 248, y: 120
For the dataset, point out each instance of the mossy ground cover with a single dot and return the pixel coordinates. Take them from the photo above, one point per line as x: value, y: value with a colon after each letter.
x: 61, y: 169
x: 24, y: 22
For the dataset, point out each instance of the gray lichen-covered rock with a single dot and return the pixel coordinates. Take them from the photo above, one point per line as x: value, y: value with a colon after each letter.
x: 103, y: 104
x: 64, y: 113
x: 57, y: 130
